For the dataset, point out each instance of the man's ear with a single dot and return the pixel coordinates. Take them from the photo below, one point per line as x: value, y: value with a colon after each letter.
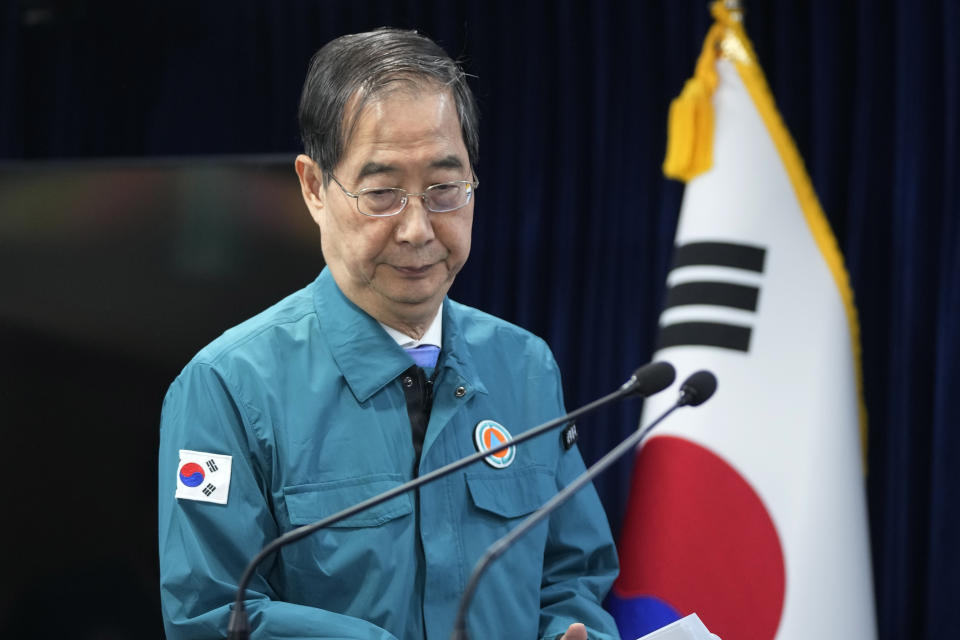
x: 311, y: 184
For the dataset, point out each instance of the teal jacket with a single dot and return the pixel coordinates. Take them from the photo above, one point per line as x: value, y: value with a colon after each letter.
x: 306, y: 398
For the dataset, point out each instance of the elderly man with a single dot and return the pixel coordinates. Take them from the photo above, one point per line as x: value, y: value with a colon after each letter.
x: 365, y: 378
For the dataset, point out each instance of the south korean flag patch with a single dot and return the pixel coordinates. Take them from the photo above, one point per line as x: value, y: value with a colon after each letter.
x: 203, y: 476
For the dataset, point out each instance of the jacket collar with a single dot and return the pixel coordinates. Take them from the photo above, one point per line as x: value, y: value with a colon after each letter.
x: 367, y: 357
x: 455, y: 353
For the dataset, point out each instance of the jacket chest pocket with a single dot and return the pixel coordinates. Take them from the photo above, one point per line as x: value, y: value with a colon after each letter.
x: 498, y: 500
x: 308, y: 503
x: 351, y: 566
x: 511, y: 493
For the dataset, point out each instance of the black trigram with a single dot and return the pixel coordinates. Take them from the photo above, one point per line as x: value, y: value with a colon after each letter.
x: 207, y: 490
x: 710, y: 333
x: 211, y: 465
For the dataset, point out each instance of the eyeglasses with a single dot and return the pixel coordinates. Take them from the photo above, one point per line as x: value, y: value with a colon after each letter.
x: 384, y: 202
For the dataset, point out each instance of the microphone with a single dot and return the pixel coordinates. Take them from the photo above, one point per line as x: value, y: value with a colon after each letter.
x: 697, y: 389
x: 650, y: 379
x: 645, y: 381
x: 694, y: 391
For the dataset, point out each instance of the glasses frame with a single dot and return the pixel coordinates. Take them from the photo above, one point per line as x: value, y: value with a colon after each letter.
x: 406, y: 195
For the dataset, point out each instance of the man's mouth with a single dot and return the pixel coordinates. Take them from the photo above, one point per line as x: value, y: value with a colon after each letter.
x: 414, y: 270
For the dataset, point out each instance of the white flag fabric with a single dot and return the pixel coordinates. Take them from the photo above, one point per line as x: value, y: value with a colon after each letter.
x: 751, y: 510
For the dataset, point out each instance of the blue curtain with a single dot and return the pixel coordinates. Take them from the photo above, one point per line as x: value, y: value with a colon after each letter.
x: 574, y: 222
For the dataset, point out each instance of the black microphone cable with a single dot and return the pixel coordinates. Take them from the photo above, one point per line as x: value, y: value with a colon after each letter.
x: 695, y: 390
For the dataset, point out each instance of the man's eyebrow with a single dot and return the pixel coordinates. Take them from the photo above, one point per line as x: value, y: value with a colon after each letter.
x: 377, y: 168
x: 374, y: 168
x: 447, y: 162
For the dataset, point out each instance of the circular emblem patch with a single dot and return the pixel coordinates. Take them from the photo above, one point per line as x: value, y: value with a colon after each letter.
x: 191, y: 474
x: 488, y: 435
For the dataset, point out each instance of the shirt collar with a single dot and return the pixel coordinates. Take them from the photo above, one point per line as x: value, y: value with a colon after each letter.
x: 433, y: 335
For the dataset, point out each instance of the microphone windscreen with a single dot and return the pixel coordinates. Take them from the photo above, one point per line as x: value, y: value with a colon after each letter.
x: 698, y: 388
x: 653, y: 378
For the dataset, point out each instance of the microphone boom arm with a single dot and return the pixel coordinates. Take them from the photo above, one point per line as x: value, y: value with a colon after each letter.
x: 499, y: 547
x: 645, y: 381
x: 239, y: 628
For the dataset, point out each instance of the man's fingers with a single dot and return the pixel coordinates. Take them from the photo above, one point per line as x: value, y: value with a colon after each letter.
x: 576, y: 631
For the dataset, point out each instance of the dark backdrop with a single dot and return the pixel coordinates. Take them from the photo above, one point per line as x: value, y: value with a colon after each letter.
x: 573, y: 233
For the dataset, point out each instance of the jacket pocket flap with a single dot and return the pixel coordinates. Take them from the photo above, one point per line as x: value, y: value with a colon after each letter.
x: 308, y: 503
x: 511, y: 493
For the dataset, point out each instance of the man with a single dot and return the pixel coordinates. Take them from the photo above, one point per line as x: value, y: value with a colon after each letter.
x: 338, y: 393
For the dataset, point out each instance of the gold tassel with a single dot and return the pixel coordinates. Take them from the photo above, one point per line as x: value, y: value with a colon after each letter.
x: 690, y: 132
x: 690, y: 120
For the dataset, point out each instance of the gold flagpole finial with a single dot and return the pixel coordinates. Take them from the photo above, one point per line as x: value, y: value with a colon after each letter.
x: 732, y: 44
x: 735, y: 9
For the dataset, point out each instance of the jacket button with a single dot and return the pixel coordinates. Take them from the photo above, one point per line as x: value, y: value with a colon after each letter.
x: 460, y: 392
x: 407, y: 381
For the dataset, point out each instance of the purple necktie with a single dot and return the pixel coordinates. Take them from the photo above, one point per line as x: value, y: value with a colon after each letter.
x: 425, y: 355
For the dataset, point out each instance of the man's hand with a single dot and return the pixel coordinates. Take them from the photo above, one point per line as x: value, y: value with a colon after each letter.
x: 576, y: 631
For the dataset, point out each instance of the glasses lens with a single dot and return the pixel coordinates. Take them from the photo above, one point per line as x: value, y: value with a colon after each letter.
x: 380, y: 202
x: 448, y: 196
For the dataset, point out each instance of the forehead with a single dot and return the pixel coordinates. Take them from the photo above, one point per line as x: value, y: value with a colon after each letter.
x: 406, y: 126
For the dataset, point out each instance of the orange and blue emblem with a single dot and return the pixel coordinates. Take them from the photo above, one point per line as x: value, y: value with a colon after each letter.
x: 191, y: 474
x: 489, y: 435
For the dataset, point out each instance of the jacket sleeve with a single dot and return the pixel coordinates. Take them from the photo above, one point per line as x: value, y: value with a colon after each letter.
x: 580, y: 558
x: 204, y: 547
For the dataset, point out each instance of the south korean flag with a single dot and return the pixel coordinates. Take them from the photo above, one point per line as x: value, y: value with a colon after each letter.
x: 203, y: 476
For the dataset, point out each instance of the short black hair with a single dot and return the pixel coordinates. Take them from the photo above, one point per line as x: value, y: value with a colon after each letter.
x: 353, y: 69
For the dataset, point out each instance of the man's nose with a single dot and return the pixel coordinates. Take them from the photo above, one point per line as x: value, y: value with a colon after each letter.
x: 415, y: 225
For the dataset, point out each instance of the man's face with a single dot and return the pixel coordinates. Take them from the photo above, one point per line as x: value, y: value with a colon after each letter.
x: 397, y: 269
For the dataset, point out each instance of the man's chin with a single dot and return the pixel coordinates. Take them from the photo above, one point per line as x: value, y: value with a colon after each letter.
x: 413, y: 291
x: 413, y: 300
x: 415, y: 294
